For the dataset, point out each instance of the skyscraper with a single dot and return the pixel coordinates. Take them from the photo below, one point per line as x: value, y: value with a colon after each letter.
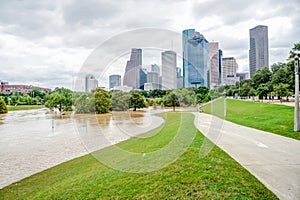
x: 155, y: 68
x: 90, y: 83
x: 114, y: 80
x: 214, y: 64
x: 168, y: 67
x: 132, y: 70
x: 229, y: 66
x: 259, y: 49
x: 195, y: 58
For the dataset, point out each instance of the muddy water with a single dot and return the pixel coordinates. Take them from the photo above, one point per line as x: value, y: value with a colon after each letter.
x: 34, y: 140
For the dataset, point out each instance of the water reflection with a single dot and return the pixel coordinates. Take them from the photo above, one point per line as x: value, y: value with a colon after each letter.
x: 34, y: 140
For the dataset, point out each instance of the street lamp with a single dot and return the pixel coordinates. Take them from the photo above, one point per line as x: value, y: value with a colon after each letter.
x: 296, y: 111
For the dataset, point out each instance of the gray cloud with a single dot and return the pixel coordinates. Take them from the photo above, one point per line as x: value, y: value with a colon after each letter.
x: 47, y: 41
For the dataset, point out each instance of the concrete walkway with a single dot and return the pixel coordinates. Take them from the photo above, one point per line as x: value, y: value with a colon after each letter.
x: 273, y: 159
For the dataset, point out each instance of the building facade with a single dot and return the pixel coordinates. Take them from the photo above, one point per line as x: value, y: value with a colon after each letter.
x: 259, y: 49
x: 195, y: 58
x: 214, y: 65
x: 90, y: 83
x: 229, y: 67
x: 132, y: 70
x: 168, y: 67
x: 114, y: 80
x: 6, y: 88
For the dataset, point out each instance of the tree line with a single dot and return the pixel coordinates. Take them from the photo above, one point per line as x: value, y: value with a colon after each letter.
x: 267, y: 83
x: 101, y: 101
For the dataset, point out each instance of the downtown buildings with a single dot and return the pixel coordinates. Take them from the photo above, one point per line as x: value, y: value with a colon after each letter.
x: 90, y: 83
x: 196, y: 61
x: 259, y: 49
x: 114, y: 81
x: 168, y: 67
x: 132, y: 76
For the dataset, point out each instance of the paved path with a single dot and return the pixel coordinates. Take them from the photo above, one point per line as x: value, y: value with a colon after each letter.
x: 273, y: 159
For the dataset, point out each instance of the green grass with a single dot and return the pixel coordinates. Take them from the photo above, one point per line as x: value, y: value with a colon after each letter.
x: 216, y: 176
x: 24, y: 107
x: 273, y: 118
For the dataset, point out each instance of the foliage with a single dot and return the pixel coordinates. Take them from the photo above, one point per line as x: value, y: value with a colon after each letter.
x: 136, y: 100
x: 56, y: 100
x: 262, y: 76
x: 202, y: 94
x: 102, y: 100
x: 120, y: 101
x: 173, y: 99
x: 157, y: 93
x: 3, y: 106
x: 281, y: 90
x: 84, y: 104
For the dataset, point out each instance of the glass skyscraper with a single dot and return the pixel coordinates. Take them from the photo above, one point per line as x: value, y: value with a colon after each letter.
x: 114, y: 80
x: 195, y: 58
x: 259, y: 49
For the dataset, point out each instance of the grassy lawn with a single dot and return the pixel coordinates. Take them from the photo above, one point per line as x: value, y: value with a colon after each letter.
x: 216, y: 176
x: 24, y: 107
x: 273, y: 118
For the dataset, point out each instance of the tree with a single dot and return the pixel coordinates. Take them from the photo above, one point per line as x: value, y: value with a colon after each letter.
x: 281, y: 90
x: 57, y: 100
x: 84, y: 104
x: 173, y: 99
x: 263, y: 90
x: 3, y: 107
x: 157, y: 93
x: 102, y: 101
x: 120, y: 101
x: 202, y: 94
x: 261, y: 76
x: 68, y: 94
x: 136, y: 100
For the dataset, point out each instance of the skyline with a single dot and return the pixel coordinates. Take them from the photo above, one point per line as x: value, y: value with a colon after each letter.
x: 46, y: 43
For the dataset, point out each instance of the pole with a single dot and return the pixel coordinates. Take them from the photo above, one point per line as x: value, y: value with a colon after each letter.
x: 296, y: 111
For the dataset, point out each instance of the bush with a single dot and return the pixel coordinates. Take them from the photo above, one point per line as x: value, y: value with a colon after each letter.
x: 3, y: 107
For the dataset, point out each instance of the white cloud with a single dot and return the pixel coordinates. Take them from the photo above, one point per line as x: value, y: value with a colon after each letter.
x: 47, y: 42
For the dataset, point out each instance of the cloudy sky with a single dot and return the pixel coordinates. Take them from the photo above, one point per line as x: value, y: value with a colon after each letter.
x: 46, y: 42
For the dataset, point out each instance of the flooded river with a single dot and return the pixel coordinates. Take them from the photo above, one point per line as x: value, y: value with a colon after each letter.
x: 34, y: 140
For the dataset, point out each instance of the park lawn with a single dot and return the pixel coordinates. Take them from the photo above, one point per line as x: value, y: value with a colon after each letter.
x: 274, y: 118
x: 24, y: 107
x: 216, y: 176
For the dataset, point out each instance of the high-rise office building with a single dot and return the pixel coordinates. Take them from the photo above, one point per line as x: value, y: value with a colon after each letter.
x: 168, y: 68
x: 214, y: 65
x: 155, y: 68
x: 90, y: 83
x: 220, y: 66
x: 114, y: 80
x: 259, y: 49
x: 229, y: 67
x: 179, y: 78
x: 133, y: 68
x: 195, y: 58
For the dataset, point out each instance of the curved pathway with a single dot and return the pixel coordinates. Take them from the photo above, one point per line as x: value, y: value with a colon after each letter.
x: 273, y: 159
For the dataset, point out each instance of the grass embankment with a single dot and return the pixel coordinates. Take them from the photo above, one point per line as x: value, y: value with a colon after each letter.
x: 24, y: 107
x: 273, y: 118
x: 216, y: 176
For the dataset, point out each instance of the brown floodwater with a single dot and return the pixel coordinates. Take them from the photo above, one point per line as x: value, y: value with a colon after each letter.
x: 34, y: 140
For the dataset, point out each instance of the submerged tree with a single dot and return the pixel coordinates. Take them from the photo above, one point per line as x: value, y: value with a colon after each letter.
x: 136, y: 100
x: 3, y: 107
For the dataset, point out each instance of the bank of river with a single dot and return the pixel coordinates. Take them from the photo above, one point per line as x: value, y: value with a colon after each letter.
x: 34, y: 140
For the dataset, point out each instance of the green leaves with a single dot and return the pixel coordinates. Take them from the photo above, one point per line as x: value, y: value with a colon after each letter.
x: 3, y: 107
